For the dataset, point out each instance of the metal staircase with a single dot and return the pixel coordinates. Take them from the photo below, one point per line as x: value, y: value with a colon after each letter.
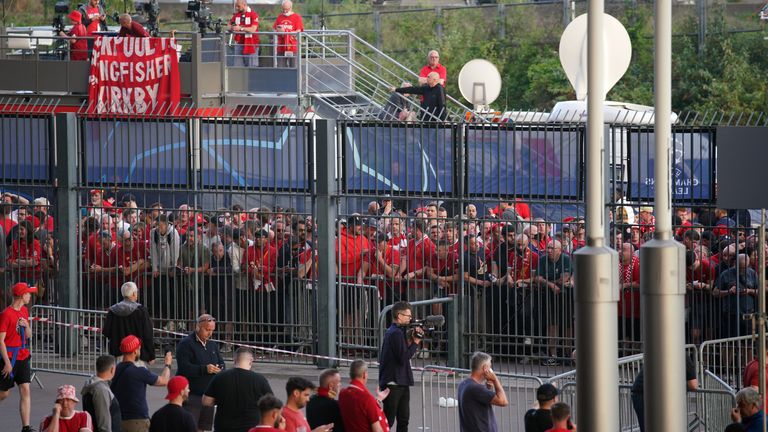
x: 346, y: 77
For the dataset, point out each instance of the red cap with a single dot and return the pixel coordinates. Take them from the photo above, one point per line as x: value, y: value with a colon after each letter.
x: 129, y: 344
x: 22, y: 288
x: 97, y: 191
x: 176, y: 385
x: 75, y: 16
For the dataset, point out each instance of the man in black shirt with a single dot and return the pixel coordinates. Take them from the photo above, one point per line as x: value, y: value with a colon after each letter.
x: 691, y: 383
x: 323, y: 408
x: 172, y: 417
x: 433, y: 101
x: 236, y: 393
x: 540, y: 420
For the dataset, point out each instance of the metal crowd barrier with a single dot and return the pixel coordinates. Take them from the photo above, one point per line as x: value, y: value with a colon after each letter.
x: 358, y: 307
x: 439, y: 398
x: 726, y: 358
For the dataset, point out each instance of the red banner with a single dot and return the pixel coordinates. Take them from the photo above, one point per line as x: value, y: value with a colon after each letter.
x: 132, y: 75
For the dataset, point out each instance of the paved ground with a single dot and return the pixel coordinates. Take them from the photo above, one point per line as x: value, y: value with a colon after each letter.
x: 438, y: 418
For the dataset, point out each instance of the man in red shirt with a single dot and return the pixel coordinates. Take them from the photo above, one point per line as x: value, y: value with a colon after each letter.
x: 360, y: 410
x: 629, y: 303
x: 420, y: 251
x: 131, y: 262
x: 271, y: 418
x: 433, y: 65
x: 289, y: 23
x: 101, y: 270
x: 15, y: 333
x: 561, y: 418
x: 65, y: 417
x: 298, y: 390
x: 699, y: 281
x: 130, y: 28
x: 6, y: 223
x: 384, y: 266
x: 260, y: 262
x: 245, y: 25
x: 93, y: 17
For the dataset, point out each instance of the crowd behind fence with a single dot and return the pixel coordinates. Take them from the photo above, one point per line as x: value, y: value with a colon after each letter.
x: 219, y: 216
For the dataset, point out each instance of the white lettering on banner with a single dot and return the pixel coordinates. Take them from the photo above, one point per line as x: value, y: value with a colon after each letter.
x: 134, y: 75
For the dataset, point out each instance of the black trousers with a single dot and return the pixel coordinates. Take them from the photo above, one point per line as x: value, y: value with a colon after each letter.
x: 397, y: 406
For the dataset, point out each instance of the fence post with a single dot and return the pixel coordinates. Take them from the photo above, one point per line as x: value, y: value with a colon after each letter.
x: 502, y: 21
x: 377, y: 28
x: 455, y: 325
x: 327, y: 211
x: 439, y: 23
x: 65, y: 180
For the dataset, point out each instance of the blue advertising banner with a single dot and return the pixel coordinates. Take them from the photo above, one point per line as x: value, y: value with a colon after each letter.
x: 254, y: 155
x: 25, y: 149
x: 527, y: 162
x: 693, y: 164
x: 398, y: 158
x: 137, y: 153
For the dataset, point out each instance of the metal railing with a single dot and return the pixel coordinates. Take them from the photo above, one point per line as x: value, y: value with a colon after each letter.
x: 439, y: 398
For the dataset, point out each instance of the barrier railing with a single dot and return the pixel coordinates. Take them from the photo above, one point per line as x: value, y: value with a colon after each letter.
x: 726, y: 358
x: 439, y: 398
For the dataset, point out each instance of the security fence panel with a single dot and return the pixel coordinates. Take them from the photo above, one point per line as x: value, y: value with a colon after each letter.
x: 524, y: 161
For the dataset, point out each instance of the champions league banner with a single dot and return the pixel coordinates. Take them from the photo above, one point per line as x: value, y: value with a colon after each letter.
x: 692, y: 161
x: 131, y: 75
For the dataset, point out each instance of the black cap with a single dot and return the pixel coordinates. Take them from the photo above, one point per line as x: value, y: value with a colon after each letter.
x: 546, y: 392
x: 354, y: 220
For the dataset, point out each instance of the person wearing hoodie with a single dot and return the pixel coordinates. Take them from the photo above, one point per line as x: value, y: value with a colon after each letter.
x: 129, y: 317
x: 164, y: 248
x: 98, y: 399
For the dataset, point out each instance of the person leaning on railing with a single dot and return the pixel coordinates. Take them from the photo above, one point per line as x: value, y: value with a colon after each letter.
x: 287, y: 45
x: 78, y: 45
x: 130, y: 28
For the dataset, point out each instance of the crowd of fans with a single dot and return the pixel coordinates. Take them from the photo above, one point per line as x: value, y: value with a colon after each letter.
x: 252, y: 265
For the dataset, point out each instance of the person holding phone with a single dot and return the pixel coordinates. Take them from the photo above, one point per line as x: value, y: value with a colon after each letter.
x: 478, y: 394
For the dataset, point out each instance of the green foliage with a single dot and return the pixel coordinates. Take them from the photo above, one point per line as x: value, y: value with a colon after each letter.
x: 522, y: 41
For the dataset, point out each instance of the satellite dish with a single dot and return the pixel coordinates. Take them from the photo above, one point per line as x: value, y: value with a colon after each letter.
x: 480, y: 83
x: 573, y: 53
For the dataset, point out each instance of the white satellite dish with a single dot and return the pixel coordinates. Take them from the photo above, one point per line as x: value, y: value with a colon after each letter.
x: 573, y: 53
x: 480, y: 83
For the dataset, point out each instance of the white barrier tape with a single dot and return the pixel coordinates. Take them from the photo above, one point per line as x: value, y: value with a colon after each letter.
x: 74, y: 326
x: 255, y: 347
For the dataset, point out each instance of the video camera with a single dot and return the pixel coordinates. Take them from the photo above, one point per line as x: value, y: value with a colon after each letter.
x: 60, y: 9
x: 428, y: 324
x: 148, y: 11
x: 200, y: 13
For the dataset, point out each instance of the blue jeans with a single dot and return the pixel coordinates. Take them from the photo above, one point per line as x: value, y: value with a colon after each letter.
x: 246, y: 60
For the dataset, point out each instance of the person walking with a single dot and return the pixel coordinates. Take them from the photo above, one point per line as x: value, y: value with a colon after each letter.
x: 15, y: 333
x: 98, y: 399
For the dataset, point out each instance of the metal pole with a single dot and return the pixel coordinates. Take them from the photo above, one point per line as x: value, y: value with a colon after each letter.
x: 662, y: 283
x: 326, y: 222
x: 596, y: 268
x: 761, y: 309
x: 67, y: 280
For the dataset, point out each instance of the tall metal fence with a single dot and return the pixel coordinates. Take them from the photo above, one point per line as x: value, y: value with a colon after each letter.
x: 243, y: 218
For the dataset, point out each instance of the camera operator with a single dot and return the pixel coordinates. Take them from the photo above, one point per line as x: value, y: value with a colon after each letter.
x: 78, y: 45
x: 93, y: 16
x: 245, y: 23
x: 130, y: 28
x: 395, y: 373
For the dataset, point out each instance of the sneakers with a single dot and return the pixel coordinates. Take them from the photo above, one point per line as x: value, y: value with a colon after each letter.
x: 551, y: 361
x: 27, y: 429
x: 447, y: 403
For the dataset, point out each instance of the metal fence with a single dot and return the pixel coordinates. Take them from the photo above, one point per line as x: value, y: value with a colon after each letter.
x: 220, y: 215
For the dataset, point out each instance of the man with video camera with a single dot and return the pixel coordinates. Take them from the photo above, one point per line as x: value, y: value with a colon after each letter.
x: 401, y: 341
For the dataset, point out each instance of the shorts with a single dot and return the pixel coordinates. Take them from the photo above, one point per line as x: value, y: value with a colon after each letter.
x: 22, y: 374
x: 203, y: 415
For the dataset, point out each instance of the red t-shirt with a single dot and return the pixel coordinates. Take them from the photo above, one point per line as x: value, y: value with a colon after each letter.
x: 9, y: 319
x: 78, y: 420
x: 136, y: 30
x: 22, y: 250
x: 92, y: 13
x: 349, y: 253
x: 420, y: 253
x: 629, y: 304
x: 705, y: 273
x: 248, y: 18
x: 121, y: 257
x: 295, y: 420
x: 360, y: 408
x: 447, y: 266
x: 78, y: 51
x: 290, y: 23
x: 392, y: 258
x: 440, y: 69
x: 557, y: 430
x: 265, y: 261
x: 7, y: 223
x: 522, y: 267
x: 752, y: 374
